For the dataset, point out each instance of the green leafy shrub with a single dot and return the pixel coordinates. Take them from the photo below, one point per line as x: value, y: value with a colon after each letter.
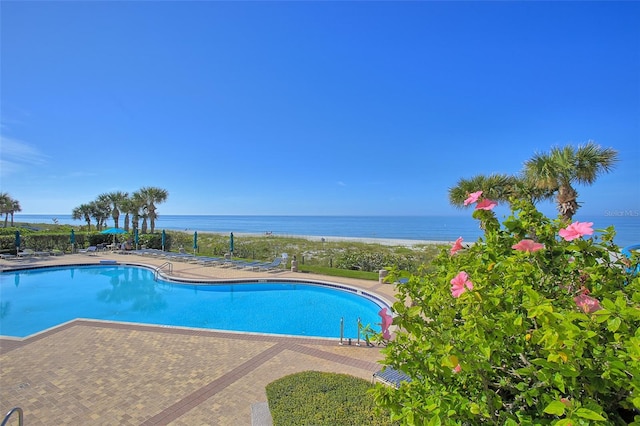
x: 316, y: 398
x: 154, y: 241
x: 363, y: 260
x: 533, y: 324
x: 38, y: 240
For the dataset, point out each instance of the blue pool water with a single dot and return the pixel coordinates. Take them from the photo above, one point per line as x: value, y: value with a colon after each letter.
x: 37, y: 299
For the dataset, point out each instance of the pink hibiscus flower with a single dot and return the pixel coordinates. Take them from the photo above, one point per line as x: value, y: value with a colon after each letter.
x: 457, y: 369
x: 588, y: 304
x: 486, y: 204
x: 387, y: 320
x: 576, y: 230
x: 472, y: 198
x: 456, y: 246
x: 460, y: 284
x: 528, y: 245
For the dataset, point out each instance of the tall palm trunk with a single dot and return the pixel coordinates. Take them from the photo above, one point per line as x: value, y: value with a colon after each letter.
x: 126, y: 222
x: 567, y: 204
x: 135, y: 221
x: 152, y: 217
x: 116, y: 217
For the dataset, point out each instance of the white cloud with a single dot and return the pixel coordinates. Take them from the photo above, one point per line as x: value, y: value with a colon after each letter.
x: 15, y: 155
x: 341, y: 183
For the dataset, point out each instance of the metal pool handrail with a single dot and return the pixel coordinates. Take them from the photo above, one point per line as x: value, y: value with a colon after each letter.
x: 8, y: 415
x: 156, y: 271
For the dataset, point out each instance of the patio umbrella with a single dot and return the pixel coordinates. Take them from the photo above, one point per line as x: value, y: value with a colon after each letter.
x: 18, y: 240
x: 164, y: 239
x: 72, y: 239
x: 231, y: 244
x: 136, y: 239
x: 114, y: 231
x: 195, y: 241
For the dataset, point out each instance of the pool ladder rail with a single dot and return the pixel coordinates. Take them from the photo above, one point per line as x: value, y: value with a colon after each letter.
x: 10, y: 413
x: 348, y: 339
x: 156, y: 271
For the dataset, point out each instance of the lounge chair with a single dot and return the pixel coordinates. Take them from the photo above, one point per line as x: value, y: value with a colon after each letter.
x: 207, y: 261
x: 269, y: 266
x: 228, y: 263
x: 91, y: 250
x: 391, y: 377
x: 182, y: 257
x: 26, y: 253
x: 247, y: 265
x: 147, y: 252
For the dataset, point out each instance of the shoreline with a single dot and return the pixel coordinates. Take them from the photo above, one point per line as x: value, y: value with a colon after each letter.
x: 328, y: 239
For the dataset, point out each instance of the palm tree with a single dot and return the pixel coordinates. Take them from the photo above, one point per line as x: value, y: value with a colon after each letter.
x: 5, y: 206
x: 100, y: 211
x: 115, y: 199
x: 136, y: 208
x: 497, y: 187
x: 558, y: 170
x: 83, y: 212
x: 14, y: 208
x: 126, y: 207
x: 152, y: 196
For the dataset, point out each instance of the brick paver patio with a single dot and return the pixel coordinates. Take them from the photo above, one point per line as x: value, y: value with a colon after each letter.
x: 103, y: 373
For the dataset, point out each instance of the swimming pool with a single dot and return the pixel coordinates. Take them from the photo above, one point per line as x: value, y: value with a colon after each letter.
x: 37, y: 299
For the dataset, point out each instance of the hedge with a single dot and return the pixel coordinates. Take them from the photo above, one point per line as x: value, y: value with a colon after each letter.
x: 317, y: 398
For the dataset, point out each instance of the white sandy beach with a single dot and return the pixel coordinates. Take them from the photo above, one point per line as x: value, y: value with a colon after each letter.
x: 381, y: 241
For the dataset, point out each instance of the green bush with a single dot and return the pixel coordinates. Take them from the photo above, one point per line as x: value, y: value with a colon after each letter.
x: 58, y: 237
x: 362, y: 260
x: 154, y: 241
x: 533, y: 324
x: 316, y: 398
x: 38, y: 240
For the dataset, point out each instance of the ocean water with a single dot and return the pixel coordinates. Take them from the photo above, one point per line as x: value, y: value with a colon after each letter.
x: 429, y: 228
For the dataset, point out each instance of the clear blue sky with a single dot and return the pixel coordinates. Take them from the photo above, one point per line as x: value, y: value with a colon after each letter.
x: 320, y: 108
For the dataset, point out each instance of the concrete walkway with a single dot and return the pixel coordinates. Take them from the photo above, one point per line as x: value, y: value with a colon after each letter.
x: 104, y: 373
